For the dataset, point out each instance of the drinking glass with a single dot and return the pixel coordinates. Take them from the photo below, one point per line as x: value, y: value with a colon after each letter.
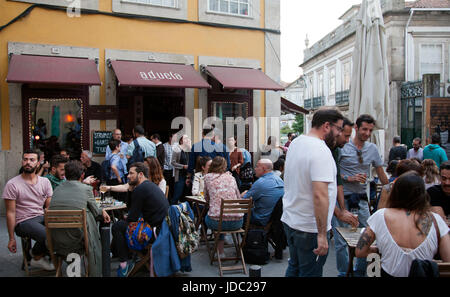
x: 354, y: 212
x: 103, y: 189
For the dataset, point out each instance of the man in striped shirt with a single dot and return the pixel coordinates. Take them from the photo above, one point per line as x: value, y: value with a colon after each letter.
x: 168, y: 168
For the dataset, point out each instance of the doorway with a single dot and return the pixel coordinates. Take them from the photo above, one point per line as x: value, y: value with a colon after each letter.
x: 152, y: 108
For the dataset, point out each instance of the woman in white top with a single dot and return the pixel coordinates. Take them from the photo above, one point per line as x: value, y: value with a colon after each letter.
x: 155, y: 173
x: 201, y: 170
x: 405, y: 231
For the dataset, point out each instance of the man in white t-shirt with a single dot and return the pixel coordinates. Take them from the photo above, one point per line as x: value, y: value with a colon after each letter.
x: 310, y: 194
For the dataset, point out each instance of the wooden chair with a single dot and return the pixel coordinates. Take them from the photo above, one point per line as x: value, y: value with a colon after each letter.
x: 444, y: 269
x: 240, y: 206
x: 167, y: 192
x: 26, y: 252
x: 146, y: 258
x: 66, y: 219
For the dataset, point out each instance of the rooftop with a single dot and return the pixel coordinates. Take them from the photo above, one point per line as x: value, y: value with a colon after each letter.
x: 428, y: 4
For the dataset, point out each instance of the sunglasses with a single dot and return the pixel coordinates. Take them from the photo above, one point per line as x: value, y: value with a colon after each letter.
x: 360, y: 158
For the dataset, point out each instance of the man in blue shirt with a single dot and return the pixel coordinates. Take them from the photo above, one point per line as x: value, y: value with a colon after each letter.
x: 265, y: 192
x: 148, y: 147
x: 207, y: 147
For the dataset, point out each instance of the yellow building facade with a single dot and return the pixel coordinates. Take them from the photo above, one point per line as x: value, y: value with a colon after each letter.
x: 236, y: 34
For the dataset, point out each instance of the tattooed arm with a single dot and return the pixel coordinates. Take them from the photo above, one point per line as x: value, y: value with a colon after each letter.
x: 363, y: 248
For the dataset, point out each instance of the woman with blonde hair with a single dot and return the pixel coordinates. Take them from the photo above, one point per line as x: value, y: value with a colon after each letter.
x: 220, y: 184
x: 431, y: 173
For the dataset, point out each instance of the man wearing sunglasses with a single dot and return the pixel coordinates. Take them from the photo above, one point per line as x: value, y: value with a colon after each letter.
x: 354, y: 162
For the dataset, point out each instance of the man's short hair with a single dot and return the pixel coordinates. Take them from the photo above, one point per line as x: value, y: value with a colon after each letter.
x: 417, y: 139
x: 365, y: 118
x: 347, y: 122
x: 436, y: 138
x: 444, y: 166
x: 113, y: 143
x: 140, y: 167
x: 397, y: 139
x: 88, y: 153
x: 139, y: 130
x: 73, y: 170
x: 326, y: 115
x: 56, y: 160
x: 155, y: 136
x: 31, y: 151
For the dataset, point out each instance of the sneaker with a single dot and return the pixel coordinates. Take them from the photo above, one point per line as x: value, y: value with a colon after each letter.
x: 42, y: 263
x: 125, y: 271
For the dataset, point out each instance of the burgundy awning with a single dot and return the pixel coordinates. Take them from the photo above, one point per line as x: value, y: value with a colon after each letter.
x: 52, y: 70
x: 145, y: 74
x: 243, y: 78
x: 289, y: 107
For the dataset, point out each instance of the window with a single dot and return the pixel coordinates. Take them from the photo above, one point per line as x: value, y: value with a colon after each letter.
x: 346, y: 76
x: 163, y: 3
x: 430, y: 59
x: 332, y: 81
x: 320, y: 85
x: 234, y: 7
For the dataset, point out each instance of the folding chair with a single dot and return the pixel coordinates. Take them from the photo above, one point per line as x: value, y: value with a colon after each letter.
x: 66, y: 219
x: 146, y: 258
x: 241, y: 206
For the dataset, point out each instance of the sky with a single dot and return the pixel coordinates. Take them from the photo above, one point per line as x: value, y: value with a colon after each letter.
x: 316, y: 18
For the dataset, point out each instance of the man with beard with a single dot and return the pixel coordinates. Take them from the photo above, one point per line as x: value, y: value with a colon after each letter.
x: 354, y: 162
x: 26, y: 196
x: 147, y: 202
x: 56, y: 174
x: 440, y: 194
x: 342, y: 216
x: 310, y: 194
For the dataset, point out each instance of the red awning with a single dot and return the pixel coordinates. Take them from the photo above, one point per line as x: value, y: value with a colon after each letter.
x: 145, y: 74
x: 52, y: 70
x: 289, y: 107
x: 243, y: 78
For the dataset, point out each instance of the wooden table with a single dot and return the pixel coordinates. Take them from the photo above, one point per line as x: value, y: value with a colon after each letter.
x: 351, y: 238
x: 197, y: 201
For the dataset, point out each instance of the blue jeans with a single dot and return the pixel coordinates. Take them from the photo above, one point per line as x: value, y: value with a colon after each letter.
x: 341, y: 256
x: 302, y: 261
x: 226, y: 225
x: 340, y: 247
x: 178, y: 190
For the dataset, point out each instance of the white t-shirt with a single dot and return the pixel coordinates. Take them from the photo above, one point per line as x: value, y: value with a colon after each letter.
x: 162, y: 185
x: 308, y: 160
x: 396, y: 261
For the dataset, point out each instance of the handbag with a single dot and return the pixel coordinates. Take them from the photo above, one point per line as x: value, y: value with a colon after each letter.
x: 138, y: 235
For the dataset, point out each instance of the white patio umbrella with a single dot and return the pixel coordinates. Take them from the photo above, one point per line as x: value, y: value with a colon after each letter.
x: 369, y: 90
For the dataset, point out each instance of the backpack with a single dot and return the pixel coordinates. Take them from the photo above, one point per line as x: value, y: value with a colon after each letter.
x: 138, y: 153
x: 188, y: 238
x: 256, y: 249
x: 106, y: 170
x: 138, y: 235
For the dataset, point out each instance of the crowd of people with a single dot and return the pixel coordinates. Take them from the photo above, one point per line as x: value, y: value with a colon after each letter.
x: 318, y: 178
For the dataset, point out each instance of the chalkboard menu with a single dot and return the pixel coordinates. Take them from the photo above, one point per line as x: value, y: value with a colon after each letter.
x: 100, y: 140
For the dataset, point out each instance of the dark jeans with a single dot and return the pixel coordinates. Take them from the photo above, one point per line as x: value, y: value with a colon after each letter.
x: 120, y: 241
x: 170, y: 181
x: 178, y: 190
x: 303, y: 262
x: 34, y: 228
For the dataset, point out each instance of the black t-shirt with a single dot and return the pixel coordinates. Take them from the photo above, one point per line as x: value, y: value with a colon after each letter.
x: 439, y: 198
x: 397, y: 153
x: 149, y: 202
x: 95, y: 170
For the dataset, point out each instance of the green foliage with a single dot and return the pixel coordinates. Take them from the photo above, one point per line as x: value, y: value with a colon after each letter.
x: 298, y: 124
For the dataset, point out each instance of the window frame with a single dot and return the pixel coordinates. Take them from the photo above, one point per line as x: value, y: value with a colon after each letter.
x: 249, y: 3
x: 176, y: 4
x: 442, y: 70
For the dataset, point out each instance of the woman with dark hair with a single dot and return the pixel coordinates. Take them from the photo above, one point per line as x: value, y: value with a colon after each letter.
x: 406, y: 230
x: 201, y: 170
x: 155, y: 174
x: 220, y: 184
x: 402, y: 167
